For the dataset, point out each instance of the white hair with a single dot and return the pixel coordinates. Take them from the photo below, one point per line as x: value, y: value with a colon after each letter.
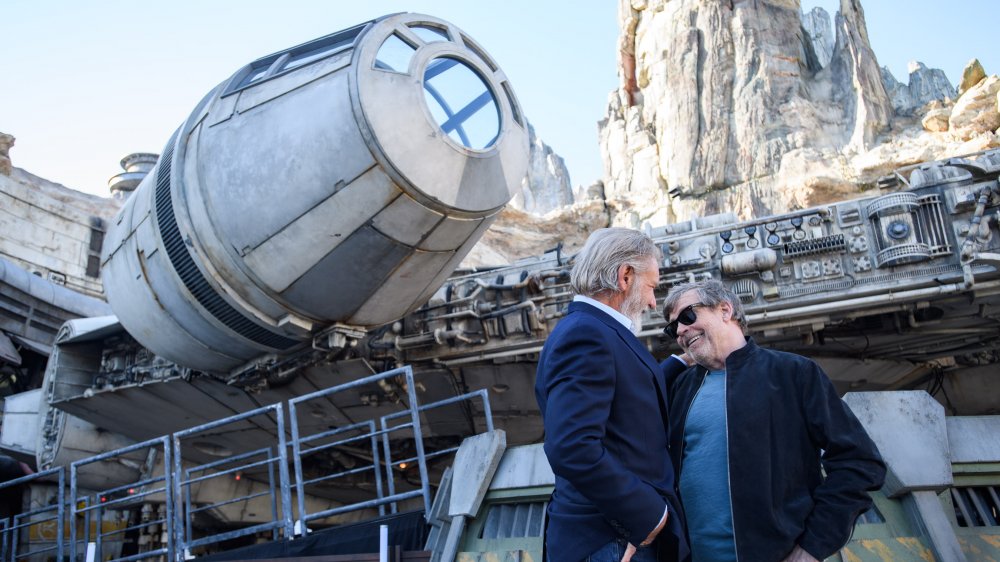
x: 595, y: 270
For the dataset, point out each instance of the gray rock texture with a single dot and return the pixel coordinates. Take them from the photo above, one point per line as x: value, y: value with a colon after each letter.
x: 925, y: 85
x: 735, y: 107
x: 818, y: 35
x: 719, y: 95
x: 546, y: 186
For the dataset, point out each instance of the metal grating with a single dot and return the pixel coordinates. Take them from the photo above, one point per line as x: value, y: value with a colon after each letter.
x: 189, y: 273
x: 935, y: 228
x: 514, y: 520
x: 833, y: 243
x: 976, y: 506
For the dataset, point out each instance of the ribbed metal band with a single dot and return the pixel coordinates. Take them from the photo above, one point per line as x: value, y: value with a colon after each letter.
x: 189, y: 273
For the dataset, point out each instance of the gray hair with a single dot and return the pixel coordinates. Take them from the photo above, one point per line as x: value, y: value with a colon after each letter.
x: 595, y: 270
x: 711, y: 293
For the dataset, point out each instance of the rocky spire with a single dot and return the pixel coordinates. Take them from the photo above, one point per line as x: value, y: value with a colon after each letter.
x: 857, y: 78
x: 818, y: 33
x: 925, y: 85
x: 715, y: 95
x: 546, y: 186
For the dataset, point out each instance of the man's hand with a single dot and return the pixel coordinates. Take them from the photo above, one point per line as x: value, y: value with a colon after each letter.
x: 630, y: 549
x: 656, y: 530
x: 797, y: 555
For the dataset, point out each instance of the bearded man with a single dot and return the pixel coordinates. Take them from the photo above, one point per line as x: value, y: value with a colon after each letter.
x: 604, y: 406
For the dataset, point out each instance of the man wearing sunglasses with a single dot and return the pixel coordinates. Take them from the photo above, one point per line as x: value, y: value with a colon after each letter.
x: 603, y: 404
x: 752, y: 432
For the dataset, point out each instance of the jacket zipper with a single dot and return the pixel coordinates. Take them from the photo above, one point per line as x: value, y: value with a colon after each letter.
x: 729, y: 472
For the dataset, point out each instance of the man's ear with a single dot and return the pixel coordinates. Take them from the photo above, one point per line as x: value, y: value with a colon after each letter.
x: 727, y: 310
x: 626, y: 275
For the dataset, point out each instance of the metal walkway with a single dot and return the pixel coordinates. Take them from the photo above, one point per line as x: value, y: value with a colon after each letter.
x: 74, y: 526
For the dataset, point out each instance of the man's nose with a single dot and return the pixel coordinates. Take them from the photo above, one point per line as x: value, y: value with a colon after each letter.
x: 682, y: 329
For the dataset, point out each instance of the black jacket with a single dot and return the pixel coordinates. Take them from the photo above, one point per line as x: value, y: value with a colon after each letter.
x: 784, y: 419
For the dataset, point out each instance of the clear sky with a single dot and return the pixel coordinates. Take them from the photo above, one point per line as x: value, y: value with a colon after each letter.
x: 82, y: 84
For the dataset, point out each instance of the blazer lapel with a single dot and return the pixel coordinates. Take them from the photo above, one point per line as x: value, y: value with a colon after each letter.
x: 634, y: 344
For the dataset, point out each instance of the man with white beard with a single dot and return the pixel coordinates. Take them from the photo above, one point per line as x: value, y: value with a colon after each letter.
x: 604, y: 406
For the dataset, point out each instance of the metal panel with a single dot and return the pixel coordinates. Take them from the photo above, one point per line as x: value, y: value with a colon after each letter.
x: 403, y: 288
x: 306, y: 240
x: 7, y: 351
x: 273, y: 88
x: 259, y: 171
x: 349, y: 276
x: 450, y: 234
x: 406, y: 220
x: 19, y: 431
x: 197, y: 341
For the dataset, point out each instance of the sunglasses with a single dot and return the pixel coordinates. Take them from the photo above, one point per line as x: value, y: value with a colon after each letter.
x: 686, y: 317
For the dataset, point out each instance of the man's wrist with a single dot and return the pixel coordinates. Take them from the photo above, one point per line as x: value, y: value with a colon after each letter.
x: 656, y: 530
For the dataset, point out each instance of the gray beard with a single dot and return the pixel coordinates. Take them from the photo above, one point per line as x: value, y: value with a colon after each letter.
x: 632, y: 308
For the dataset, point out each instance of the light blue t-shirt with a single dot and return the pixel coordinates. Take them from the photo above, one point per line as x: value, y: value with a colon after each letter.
x: 704, y: 482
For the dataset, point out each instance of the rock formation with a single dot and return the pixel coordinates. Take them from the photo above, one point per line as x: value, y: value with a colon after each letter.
x: 972, y: 74
x: 736, y: 106
x: 752, y: 108
x: 925, y: 85
x: 546, y: 186
x: 6, y: 141
x: 723, y: 94
x: 976, y: 111
x: 816, y: 25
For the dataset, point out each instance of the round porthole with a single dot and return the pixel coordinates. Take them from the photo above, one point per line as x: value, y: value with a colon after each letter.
x: 461, y: 103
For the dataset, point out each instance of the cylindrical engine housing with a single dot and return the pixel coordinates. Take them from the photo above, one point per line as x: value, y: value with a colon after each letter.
x: 339, y: 181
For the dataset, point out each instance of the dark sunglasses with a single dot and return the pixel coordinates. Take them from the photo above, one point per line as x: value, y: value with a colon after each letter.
x: 686, y: 317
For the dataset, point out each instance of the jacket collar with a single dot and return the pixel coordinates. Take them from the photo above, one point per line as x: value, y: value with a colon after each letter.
x: 743, y: 354
x: 737, y: 358
x: 627, y: 336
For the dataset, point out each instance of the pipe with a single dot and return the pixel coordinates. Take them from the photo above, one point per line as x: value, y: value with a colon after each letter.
x: 790, y: 315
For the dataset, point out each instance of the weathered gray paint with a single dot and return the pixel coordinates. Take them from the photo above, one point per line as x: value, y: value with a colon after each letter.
x: 326, y: 194
x: 909, y: 429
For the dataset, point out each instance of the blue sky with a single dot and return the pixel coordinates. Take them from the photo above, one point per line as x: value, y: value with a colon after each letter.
x: 85, y: 83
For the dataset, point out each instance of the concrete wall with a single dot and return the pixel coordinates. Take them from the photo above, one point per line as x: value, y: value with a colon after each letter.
x: 47, y: 228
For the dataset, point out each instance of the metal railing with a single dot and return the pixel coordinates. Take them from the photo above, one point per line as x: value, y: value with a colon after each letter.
x: 381, y: 500
x: 384, y: 424
x: 152, y: 485
x: 176, y: 467
x: 23, y: 523
x: 273, y: 457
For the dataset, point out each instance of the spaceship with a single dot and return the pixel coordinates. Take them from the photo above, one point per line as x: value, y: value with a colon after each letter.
x: 302, y: 229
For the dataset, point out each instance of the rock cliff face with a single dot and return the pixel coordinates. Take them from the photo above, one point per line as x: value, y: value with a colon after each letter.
x: 925, y: 85
x: 546, y: 186
x: 723, y: 95
x: 754, y: 108
x: 816, y: 25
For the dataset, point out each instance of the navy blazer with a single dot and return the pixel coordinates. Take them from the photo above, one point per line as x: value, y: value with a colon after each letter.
x: 604, y: 405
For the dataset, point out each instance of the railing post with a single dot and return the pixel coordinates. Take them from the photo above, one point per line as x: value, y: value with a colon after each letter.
x: 286, y: 493
x: 419, y: 438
